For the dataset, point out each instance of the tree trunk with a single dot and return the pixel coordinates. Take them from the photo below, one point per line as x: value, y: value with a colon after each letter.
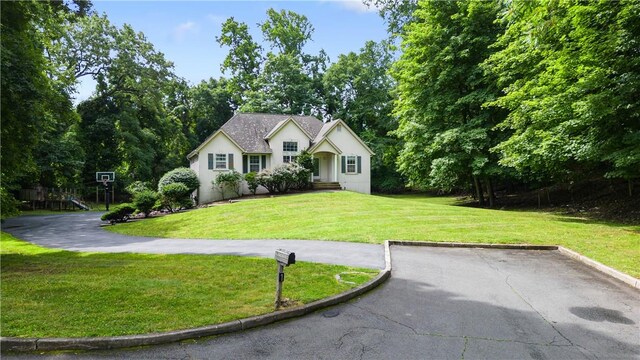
x: 630, y: 185
x: 539, y: 201
x: 490, y: 195
x: 478, y: 187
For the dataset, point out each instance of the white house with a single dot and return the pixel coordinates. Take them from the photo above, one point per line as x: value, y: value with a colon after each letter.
x: 252, y: 142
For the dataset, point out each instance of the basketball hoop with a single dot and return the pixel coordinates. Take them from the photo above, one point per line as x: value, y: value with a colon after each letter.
x: 105, y: 182
x: 105, y: 177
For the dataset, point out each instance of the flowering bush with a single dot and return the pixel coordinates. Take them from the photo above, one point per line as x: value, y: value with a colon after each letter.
x: 284, y: 177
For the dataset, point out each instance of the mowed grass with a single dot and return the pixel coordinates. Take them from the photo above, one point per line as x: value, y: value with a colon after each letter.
x: 347, y: 216
x: 52, y: 293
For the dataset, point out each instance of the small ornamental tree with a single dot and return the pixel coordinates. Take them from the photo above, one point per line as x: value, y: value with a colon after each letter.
x: 181, y: 175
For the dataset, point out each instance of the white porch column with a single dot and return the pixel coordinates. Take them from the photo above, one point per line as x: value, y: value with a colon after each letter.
x: 335, y: 167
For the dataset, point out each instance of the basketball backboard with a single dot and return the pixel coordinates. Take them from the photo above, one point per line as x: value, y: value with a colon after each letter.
x: 105, y: 176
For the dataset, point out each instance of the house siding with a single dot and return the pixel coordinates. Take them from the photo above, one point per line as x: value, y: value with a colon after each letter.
x: 220, y: 144
x: 351, y: 146
x: 290, y: 132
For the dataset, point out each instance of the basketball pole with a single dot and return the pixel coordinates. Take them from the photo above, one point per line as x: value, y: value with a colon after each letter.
x: 107, y: 196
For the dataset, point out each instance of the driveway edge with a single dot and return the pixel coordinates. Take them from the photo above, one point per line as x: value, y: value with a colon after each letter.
x: 101, y: 343
x: 627, y: 279
x: 618, y: 275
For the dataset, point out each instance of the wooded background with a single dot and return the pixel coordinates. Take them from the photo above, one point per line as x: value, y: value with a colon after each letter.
x: 464, y: 95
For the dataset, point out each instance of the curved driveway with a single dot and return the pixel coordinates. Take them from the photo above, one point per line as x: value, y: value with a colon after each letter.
x: 82, y: 232
x: 440, y: 303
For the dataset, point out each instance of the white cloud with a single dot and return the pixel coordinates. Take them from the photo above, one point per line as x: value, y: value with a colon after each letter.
x: 182, y: 30
x: 356, y: 5
x: 216, y: 19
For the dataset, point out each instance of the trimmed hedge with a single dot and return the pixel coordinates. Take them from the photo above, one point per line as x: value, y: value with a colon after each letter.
x: 120, y: 213
x: 145, y: 201
x: 181, y: 175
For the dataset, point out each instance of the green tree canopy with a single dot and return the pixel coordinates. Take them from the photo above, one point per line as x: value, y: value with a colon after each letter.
x: 570, y: 72
x: 446, y: 131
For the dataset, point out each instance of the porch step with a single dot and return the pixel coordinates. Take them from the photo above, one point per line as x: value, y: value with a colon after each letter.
x: 319, y: 185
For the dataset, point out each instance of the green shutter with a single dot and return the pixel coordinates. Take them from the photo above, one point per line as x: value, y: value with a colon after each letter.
x: 359, y: 162
x: 344, y: 164
x: 263, y: 164
x: 230, y: 163
x: 210, y: 161
x: 245, y: 164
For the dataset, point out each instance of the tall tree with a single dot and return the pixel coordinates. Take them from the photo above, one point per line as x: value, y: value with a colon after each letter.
x: 37, y: 116
x: 211, y: 106
x: 396, y: 13
x: 446, y: 131
x: 243, y: 60
x: 284, y: 79
x: 570, y: 72
x: 143, y: 135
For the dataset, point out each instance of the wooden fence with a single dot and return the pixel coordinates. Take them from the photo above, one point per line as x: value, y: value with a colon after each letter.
x: 49, y: 198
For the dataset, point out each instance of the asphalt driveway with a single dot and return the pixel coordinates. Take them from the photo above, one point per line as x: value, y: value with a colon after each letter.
x: 444, y: 303
x: 82, y: 232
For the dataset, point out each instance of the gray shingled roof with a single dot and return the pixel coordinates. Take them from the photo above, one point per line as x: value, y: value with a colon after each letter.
x: 249, y: 129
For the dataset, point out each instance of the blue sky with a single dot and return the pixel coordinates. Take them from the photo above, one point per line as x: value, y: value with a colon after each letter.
x: 185, y: 31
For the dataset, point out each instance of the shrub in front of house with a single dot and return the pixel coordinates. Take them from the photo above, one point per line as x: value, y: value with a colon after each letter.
x: 145, y: 201
x: 302, y: 177
x: 284, y: 177
x: 119, y: 213
x: 180, y: 175
x: 305, y: 159
x: 175, y: 196
x: 252, y: 182
x: 231, y: 180
x: 265, y: 179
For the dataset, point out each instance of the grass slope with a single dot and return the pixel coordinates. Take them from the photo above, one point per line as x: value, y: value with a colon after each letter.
x: 346, y: 216
x: 52, y: 293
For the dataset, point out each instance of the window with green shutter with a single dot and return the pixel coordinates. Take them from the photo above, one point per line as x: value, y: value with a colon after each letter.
x: 221, y: 162
x: 254, y: 163
x: 351, y: 164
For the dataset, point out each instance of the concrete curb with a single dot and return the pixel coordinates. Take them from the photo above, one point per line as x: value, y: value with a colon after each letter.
x: 101, y: 343
x: 473, y: 245
x: 627, y: 279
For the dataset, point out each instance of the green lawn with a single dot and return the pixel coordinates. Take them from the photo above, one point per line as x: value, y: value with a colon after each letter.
x: 52, y: 293
x: 346, y: 216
